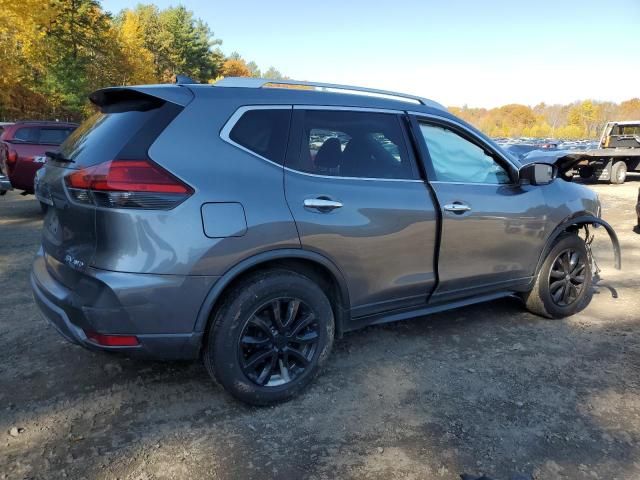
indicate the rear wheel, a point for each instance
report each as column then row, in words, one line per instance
column 563, row 284
column 270, row 337
column 618, row 172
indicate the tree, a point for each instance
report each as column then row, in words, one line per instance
column 76, row 40
column 586, row 115
column 554, row 115
column 188, row 44
column 253, row 68
column 274, row 74
column 630, row 110
column 577, row 120
column 235, row 68
column 19, row 41
column 178, row 42
column 137, row 60
column 54, row 53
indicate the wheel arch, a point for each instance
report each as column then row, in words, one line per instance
column 312, row 264
column 573, row 224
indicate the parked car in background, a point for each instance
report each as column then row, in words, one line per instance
column 249, row 224
column 5, row 184
column 22, row 150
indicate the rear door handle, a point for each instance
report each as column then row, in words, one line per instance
column 457, row 207
column 322, row 204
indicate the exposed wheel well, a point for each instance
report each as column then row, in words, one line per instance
column 574, row 226
column 313, row 270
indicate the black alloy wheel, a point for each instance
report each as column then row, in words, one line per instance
column 567, row 277
column 278, row 342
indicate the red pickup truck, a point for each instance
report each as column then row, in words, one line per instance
column 22, row 151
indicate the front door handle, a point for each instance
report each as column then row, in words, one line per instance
column 457, row 207
column 321, row 204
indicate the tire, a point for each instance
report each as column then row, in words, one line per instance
column 618, row 172
column 542, row 299
column 587, row 172
column 247, row 351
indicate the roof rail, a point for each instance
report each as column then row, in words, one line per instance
column 248, row 82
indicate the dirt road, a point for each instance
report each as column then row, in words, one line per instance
column 484, row 389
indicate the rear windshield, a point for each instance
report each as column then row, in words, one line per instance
column 42, row 135
column 626, row 130
column 102, row 136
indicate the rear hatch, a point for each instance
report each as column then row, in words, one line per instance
column 93, row 167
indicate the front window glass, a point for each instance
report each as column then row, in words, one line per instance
column 456, row 159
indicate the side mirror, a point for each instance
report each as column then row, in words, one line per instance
column 537, row 174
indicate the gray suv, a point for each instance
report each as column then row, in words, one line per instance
column 251, row 222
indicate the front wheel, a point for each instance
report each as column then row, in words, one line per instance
column 563, row 284
column 587, row 172
column 270, row 337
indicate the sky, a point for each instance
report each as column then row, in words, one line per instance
column 480, row 53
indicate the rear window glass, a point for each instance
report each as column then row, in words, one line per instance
column 42, row 135
column 102, row 136
column 264, row 132
column 626, row 130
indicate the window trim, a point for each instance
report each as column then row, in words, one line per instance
column 467, row 134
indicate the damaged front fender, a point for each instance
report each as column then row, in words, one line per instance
column 617, row 255
column 577, row 223
column 563, row 160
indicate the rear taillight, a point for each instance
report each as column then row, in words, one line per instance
column 127, row 184
column 12, row 157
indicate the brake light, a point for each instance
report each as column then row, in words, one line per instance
column 12, row 157
column 127, row 184
column 113, row 340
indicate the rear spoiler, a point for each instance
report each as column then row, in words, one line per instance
column 142, row 97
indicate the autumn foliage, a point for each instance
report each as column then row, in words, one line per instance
column 53, row 53
column 577, row 120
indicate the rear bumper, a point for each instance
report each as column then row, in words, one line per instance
column 141, row 310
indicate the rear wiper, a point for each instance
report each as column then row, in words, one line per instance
column 59, row 157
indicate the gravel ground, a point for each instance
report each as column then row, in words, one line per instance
column 483, row 389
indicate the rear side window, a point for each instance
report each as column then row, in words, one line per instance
column 264, row 132
column 42, row 135
column 352, row 144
